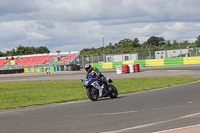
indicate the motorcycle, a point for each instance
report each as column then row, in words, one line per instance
column 96, row 89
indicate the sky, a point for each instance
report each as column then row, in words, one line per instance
column 70, row 25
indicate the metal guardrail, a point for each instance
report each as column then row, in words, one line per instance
column 97, row 59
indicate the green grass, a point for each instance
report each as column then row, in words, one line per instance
column 22, row 94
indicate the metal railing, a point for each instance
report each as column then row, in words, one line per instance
column 149, row 54
column 82, row 60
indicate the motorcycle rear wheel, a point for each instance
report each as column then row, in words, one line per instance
column 113, row 91
column 92, row 93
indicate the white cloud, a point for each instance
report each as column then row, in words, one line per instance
column 10, row 31
column 145, row 28
column 77, row 24
column 176, row 26
column 36, row 36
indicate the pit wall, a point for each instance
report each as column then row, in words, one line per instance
column 52, row 69
column 150, row 62
column 40, row 69
column 112, row 65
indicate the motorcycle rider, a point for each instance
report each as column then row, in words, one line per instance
column 95, row 74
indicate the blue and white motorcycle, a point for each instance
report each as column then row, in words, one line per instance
column 96, row 89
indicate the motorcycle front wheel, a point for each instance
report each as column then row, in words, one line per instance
column 92, row 93
column 113, row 91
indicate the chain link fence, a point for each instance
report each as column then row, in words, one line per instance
column 149, row 54
column 82, row 60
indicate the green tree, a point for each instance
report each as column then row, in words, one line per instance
column 11, row 53
column 197, row 42
column 2, row 54
column 58, row 51
column 42, row 49
column 156, row 41
column 21, row 50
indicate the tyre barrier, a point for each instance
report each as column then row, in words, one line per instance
column 131, row 68
column 11, row 71
column 119, row 69
column 125, row 68
column 137, row 67
column 68, row 67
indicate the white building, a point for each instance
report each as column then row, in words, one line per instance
column 170, row 53
column 121, row 57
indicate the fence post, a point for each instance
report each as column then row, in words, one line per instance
column 122, row 56
column 165, row 53
column 82, row 61
column 92, row 59
column 98, row 58
column 150, row 53
column 196, row 49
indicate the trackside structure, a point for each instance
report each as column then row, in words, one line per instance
column 171, row 53
column 150, row 62
column 69, row 61
column 121, row 57
column 63, row 61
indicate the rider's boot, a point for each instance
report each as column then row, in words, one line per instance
column 104, row 88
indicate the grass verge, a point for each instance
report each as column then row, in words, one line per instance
column 22, row 94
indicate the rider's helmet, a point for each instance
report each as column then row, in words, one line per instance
column 88, row 66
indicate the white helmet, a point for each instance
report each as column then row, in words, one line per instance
column 88, row 66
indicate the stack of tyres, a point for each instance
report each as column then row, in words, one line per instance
column 125, row 68
column 131, row 68
column 119, row 69
column 137, row 67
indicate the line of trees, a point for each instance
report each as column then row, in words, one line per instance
column 21, row 50
column 131, row 46
column 123, row 46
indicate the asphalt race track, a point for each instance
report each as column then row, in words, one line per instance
column 142, row 112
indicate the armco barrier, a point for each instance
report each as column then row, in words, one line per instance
column 25, row 70
column 48, row 69
column 66, row 68
column 191, row 60
column 173, row 61
column 107, row 65
column 44, row 69
column 70, row 67
column 32, row 70
column 154, row 62
column 29, row 70
column 41, row 69
column 112, row 65
column 38, row 69
column 52, row 69
column 115, row 64
column 58, row 68
column 97, row 65
column 141, row 62
column 55, row 68
column 128, row 62
column 12, row 71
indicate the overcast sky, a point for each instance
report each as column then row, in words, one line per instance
column 69, row 25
